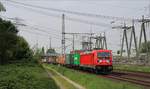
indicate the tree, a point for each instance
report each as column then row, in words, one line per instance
column 8, row 39
column 2, row 8
column 43, row 51
column 22, row 50
column 143, row 48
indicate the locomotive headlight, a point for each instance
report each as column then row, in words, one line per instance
column 99, row 61
column 107, row 60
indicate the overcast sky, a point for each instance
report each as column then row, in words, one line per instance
column 50, row 24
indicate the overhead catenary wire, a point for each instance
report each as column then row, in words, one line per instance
column 39, row 34
column 36, row 26
column 74, row 12
column 61, row 46
column 44, row 36
column 89, row 22
column 44, row 31
column 48, row 34
column 44, row 27
column 82, row 21
column 67, row 17
column 41, row 30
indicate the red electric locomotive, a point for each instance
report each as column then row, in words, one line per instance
column 97, row 60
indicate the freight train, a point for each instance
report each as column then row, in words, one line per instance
column 99, row 61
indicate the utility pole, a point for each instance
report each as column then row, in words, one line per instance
column 135, row 41
column 73, row 42
column 50, row 44
column 104, row 41
column 84, row 43
column 100, row 42
column 63, row 35
column 90, row 44
column 144, row 21
column 125, row 28
column 90, row 38
column 126, row 39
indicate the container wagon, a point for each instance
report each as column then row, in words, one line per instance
column 76, row 59
column 61, row 60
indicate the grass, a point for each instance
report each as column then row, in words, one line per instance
column 25, row 76
column 61, row 81
column 91, row 81
column 132, row 68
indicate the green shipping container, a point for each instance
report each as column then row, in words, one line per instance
column 76, row 58
column 67, row 59
column 72, row 59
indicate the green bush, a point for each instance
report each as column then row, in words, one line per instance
column 25, row 76
column 145, row 47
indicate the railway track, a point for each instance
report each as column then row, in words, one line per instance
column 132, row 77
column 139, row 78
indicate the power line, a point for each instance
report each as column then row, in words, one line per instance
column 88, row 22
column 35, row 28
column 67, row 18
column 73, row 12
column 54, row 35
column 37, row 11
column 39, row 34
column 125, row 7
column 61, row 47
column 43, row 27
column 47, row 33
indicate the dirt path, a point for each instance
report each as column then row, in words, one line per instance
column 75, row 85
column 57, row 82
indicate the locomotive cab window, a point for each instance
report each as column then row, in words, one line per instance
column 103, row 54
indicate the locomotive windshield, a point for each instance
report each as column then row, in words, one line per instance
column 103, row 54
